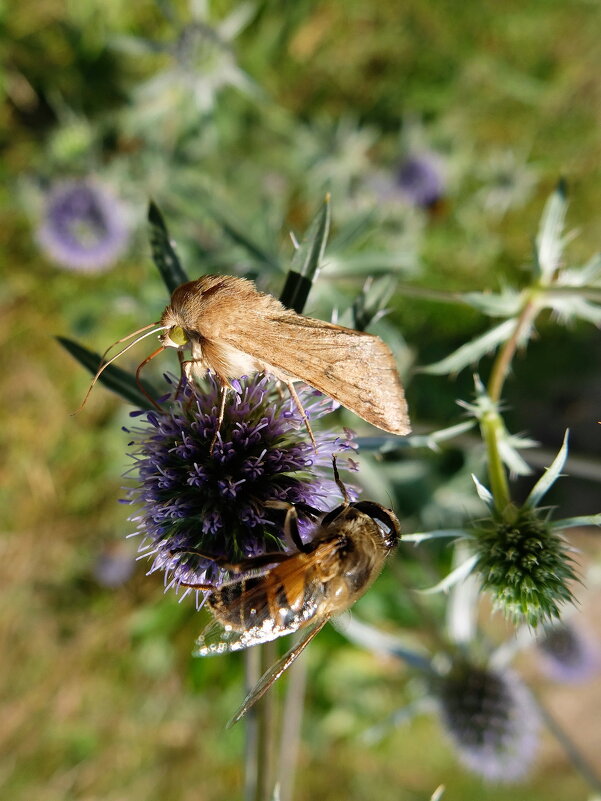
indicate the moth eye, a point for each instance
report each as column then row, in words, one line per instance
column 177, row 335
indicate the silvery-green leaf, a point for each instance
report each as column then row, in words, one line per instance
column 512, row 459
column 550, row 241
column 403, row 715
column 367, row 636
column 235, row 22
column 456, row 575
column 370, row 305
column 473, row 351
column 462, row 605
column 372, row 262
column 551, row 475
column 570, row 306
column 587, row 275
column 163, row 252
column 384, row 443
column 113, row 378
column 505, row 304
column 307, row 260
column 438, row 793
column 483, row 492
column 576, row 522
column 423, row 536
column 135, row 45
column 433, row 439
column 521, row 442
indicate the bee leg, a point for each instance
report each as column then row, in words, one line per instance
column 339, row 483
column 290, row 524
column 242, row 566
column 302, row 412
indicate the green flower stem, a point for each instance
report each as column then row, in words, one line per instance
column 491, row 426
column 252, row 667
column 290, row 736
column 503, row 361
column 491, row 423
column 266, row 730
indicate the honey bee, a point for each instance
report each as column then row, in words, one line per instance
column 275, row 594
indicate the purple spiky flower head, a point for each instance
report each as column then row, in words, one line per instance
column 83, row 227
column 420, row 179
column 196, row 503
column 569, row 653
column 491, row 719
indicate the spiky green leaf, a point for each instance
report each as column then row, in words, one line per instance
column 113, row 378
column 546, row 481
column 163, row 252
column 307, row 260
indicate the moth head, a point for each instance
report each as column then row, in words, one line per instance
column 174, row 337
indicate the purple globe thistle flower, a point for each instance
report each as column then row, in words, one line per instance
column 83, row 227
column 196, row 503
column 569, row 654
column 491, row 719
column 420, row 179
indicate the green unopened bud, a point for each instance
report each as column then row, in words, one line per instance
column 525, row 565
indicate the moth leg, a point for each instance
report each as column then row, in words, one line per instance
column 182, row 374
column 290, row 524
column 223, row 390
column 138, row 380
column 302, row 412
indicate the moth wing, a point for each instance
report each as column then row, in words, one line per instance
column 356, row 369
column 276, row 670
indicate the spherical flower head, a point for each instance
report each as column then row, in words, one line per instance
column 199, row 508
column 525, row 565
column 491, row 719
column 419, row 177
column 83, row 227
column 569, row 654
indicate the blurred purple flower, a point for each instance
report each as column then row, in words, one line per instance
column 114, row 567
column 569, row 654
column 420, row 179
column 83, row 227
column 215, row 503
column 491, row 718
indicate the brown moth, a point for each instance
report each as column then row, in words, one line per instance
column 233, row 329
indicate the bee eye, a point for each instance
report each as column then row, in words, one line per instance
column 177, row 335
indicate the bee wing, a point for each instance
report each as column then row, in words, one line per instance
column 218, row 638
column 276, row 670
column 354, row 368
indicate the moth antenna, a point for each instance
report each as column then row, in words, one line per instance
column 124, row 339
column 224, row 389
column 138, row 380
column 302, row 412
column 339, row 483
column 104, row 365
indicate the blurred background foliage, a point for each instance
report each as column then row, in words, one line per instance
column 237, row 119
